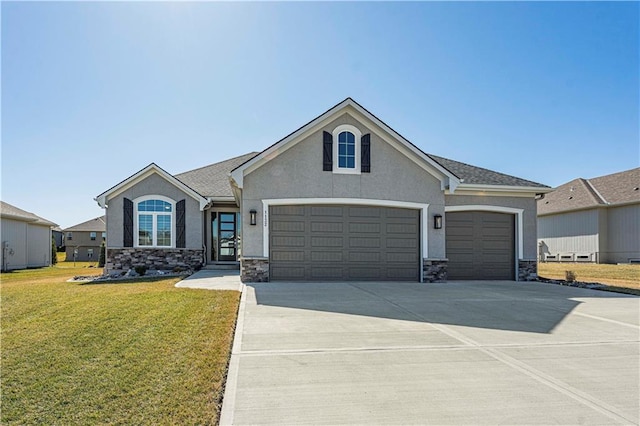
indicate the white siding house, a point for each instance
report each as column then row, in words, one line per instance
column 26, row 239
column 592, row 220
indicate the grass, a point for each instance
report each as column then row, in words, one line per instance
column 132, row 353
column 622, row 276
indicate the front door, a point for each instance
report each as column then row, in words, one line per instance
column 227, row 236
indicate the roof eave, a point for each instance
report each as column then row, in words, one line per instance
column 501, row 189
column 152, row 168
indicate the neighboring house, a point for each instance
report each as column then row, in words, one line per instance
column 58, row 236
column 592, row 220
column 344, row 197
column 26, row 239
column 84, row 240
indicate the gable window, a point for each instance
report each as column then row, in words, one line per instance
column 346, row 149
column 154, row 219
column 92, row 235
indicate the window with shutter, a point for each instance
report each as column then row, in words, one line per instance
column 180, row 224
column 327, row 152
column 365, row 162
column 127, row 215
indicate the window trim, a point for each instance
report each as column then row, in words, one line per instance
column 93, row 235
column 358, row 136
column 154, row 235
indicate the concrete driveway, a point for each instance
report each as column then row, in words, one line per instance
column 454, row 353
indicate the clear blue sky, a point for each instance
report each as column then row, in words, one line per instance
column 93, row 92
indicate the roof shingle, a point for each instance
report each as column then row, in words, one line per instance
column 97, row 224
column 213, row 180
column 8, row 210
column 613, row 189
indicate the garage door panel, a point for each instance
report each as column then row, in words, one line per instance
column 287, row 241
column 317, row 272
column 287, row 256
column 357, row 257
column 356, row 212
column 402, row 243
column 364, row 227
column 324, row 211
column 345, row 242
column 288, row 210
column 480, row 245
column 326, row 227
column 326, row 241
column 372, row 242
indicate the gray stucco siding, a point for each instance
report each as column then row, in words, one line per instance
column 154, row 185
column 297, row 173
column 529, row 220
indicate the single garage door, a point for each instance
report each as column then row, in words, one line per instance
column 480, row 245
column 338, row 242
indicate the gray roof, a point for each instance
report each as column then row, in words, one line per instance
column 97, row 224
column 613, row 189
column 479, row 176
column 213, row 180
column 12, row 212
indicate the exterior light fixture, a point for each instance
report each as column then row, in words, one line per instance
column 252, row 214
column 437, row 221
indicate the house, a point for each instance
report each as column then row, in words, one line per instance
column 592, row 220
column 344, row 197
column 58, row 237
column 26, row 239
column 83, row 241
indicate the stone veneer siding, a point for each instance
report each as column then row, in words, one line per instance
column 154, row 258
column 527, row 270
column 434, row 270
column 254, row 269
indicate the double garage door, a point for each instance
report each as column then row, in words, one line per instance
column 480, row 245
column 341, row 242
column 360, row 243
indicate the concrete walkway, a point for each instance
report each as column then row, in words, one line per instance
column 213, row 280
column 454, row 353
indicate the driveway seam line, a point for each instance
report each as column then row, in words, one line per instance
column 535, row 374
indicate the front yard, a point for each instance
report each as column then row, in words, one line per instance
column 626, row 276
column 126, row 353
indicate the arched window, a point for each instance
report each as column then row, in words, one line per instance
column 155, row 221
column 346, row 149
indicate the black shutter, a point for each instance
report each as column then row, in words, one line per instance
column 180, row 224
column 327, row 152
column 127, row 215
column 365, row 149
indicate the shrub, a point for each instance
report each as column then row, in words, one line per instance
column 102, row 258
column 140, row 269
column 570, row 276
column 54, row 252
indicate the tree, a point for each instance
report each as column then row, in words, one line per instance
column 102, row 258
column 54, row 251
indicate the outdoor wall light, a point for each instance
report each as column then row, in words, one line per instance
column 437, row 221
column 252, row 219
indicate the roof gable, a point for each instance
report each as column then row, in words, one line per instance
column 151, row 169
column 97, row 224
column 12, row 212
column 578, row 194
column 386, row 133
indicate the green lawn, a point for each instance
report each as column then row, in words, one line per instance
column 134, row 353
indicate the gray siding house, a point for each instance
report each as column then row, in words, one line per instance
column 26, row 239
column 592, row 220
column 344, row 197
column 84, row 239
